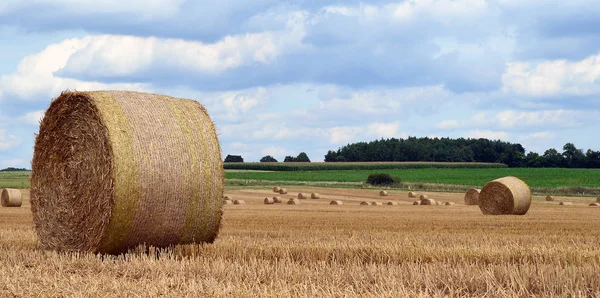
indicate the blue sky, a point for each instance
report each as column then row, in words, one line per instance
column 282, row 77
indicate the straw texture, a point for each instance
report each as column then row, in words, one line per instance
column 472, row 196
column 508, row 195
column 11, row 197
column 116, row 169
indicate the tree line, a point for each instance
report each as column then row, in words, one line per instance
column 463, row 150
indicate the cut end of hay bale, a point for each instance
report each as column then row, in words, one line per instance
column 283, row 191
column 239, row 202
column 565, row 204
column 269, row 201
column 293, row 201
column 472, row 196
column 11, row 197
column 428, row 202
column 277, row 200
column 336, row 203
column 315, row 196
column 549, row 198
column 412, row 195
column 383, row 193
column 416, row 203
column 392, row 203
column 104, row 148
column 508, row 195
column 276, row 189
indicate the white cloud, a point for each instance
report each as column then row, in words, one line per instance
column 12, row 163
column 488, row 134
column 538, row 136
column 33, row 118
column 553, row 78
column 8, row 141
column 384, row 130
column 275, row 151
column 448, row 124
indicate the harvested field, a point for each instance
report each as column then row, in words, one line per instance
column 319, row 250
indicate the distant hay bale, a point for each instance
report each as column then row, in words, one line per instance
column 508, row 195
column 439, row 203
column 377, row 203
column 472, row 196
column 365, row 203
column 269, row 201
column 115, row 169
column 565, row 204
column 315, row 196
column 11, row 197
column 595, row 205
column 416, row 203
column 423, row 197
column 227, row 198
column 239, row 202
column 276, row 189
column 277, row 200
column 450, row 204
column 283, row 191
column 227, row 202
column 383, row 193
column 336, row 203
column 598, row 200
column 293, row 201
column 428, row 202
column 412, row 194
column 302, row 196
column 392, row 203
column 549, row 198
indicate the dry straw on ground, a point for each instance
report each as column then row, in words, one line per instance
column 115, row 169
column 336, row 203
column 412, row 194
column 565, row 204
column 315, row 196
column 293, row 201
column 416, row 203
column 277, row 200
column 276, row 189
column 383, row 193
column 508, row 195
column 283, row 191
column 11, row 197
column 428, row 202
column 269, row 201
column 239, row 202
column 472, row 196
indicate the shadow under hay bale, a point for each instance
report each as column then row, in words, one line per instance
column 336, row 203
column 412, row 195
column 508, row 195
column 472, row 196
column 269, row 201
column 106, row 148
column 11, row 197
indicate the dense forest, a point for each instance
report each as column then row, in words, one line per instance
column 463, row 150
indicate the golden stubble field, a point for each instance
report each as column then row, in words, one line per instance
column 318, row 250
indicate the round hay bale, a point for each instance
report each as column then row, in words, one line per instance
column 598, row 200
column 383, row 193
column 365, row 203
column 450, row 204
column 423, row 197
column 302, row 196
column 227, row 198
column 227, row 202
column 293, row 201
column 277, row 200
column 315, row 196
column 11, row 197
column 565, row 204
column 377, row 203
column 472, row 196
column 595, row 205
column 416, row 203
column 428, row 202
column 269, row 201
column 239, row 202
column 336, row 203
column 276, row 189
column 508, row 195
column 412, row 194
column 439, row 203
column 392, row 204
column 116, row 169
column 549, row 198
column 283, row 191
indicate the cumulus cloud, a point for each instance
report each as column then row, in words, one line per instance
column 8, row 141
column 488, row 134
column 33, row 118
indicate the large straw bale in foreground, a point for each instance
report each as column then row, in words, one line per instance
column 472, row 196
column 508, row 195
column 115, row 169
column 11, row 197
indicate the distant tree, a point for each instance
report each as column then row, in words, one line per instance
column 289, row 159
column 331, row 156
column 573, row 157
column 268, row 158
column 234, row 158
column 11, row 169
column 382, row 179
column 302, row 157
column 553, row 159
